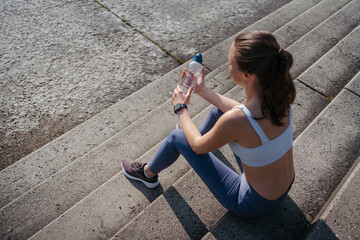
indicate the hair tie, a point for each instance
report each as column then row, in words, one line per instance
column 281, row 50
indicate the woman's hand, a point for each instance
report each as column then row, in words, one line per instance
column 180, row 97
column 200, row 81
column 200, row 84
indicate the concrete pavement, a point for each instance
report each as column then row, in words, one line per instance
column 63, row 63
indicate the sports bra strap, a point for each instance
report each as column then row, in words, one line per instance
column 254, row 123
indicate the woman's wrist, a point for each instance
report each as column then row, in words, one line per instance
column 178, row 107
column 204, row 93
column 201, row 91
column 181, row 111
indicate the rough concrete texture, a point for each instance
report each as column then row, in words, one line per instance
column 61, row 64
column 107, row 209
column 46, row 161
column 342, row 214
column 307, row 105
column 160, row 224
column 325, row 151
column 299, row 26
column 178, row 212
column 208, row 236
column 325, row 36
column 354, row 84
column 335, row 69
column 321, row 231
column 187, row 27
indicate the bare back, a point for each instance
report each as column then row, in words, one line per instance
column 273, row 180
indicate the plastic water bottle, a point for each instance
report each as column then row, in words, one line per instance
column 190, row 77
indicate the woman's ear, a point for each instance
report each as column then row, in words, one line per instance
column 249, row 76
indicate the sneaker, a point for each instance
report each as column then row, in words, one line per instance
column 135, row 171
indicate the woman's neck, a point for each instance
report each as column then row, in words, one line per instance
column 253, row 101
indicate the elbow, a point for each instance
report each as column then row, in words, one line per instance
column 197, row 150
column 197, row 146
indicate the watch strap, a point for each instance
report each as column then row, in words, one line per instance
column 179, row 106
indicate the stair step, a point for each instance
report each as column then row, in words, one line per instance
column 331, row 141
column 305, row 22
column 320, row 231
column 81, row 207
column 338, row 219
column 341, row 214
column 341, row 58
column 325, row 36
column 332, row 74
column 354, row 86
column 337, row 213
column 209, row 236
column 38, row 166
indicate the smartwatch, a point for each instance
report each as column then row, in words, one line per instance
column 179, row 106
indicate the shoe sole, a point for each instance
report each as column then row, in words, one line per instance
column 147, row 184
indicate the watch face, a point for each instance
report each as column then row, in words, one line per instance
column 177, row 107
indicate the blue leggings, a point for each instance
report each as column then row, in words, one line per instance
column 229, row 187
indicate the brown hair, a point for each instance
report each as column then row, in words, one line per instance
column 259, row 53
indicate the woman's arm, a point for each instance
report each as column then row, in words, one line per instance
column 223, row 132
column 221, row 102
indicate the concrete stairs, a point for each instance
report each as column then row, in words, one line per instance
column 73, row 187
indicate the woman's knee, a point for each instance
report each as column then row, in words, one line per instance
column 176, row 135
column 215, row 112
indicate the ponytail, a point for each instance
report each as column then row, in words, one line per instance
column 259, row 53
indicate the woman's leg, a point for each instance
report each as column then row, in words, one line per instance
column 211, row 119
column 238, row 160
column 165, row 156
column 223, row 182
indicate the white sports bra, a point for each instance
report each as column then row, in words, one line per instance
column 270, row 150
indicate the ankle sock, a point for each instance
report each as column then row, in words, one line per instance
column 145, row 172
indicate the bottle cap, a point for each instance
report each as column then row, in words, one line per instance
column 198, row 58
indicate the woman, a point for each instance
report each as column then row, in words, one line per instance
column 259, row 132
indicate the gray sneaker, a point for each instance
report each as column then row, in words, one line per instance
column 135, row 170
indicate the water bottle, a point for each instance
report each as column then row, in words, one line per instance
column 190, row 77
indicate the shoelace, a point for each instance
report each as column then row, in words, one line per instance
column 136, row 165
